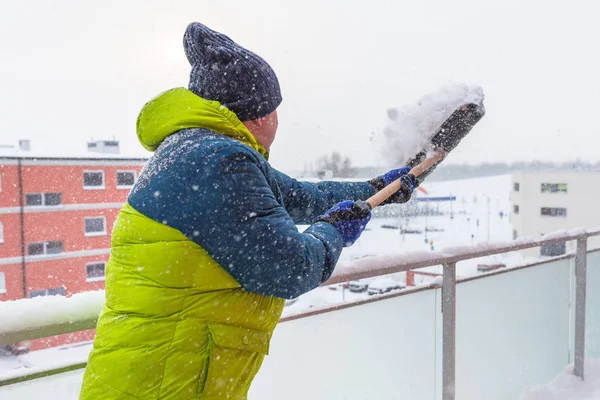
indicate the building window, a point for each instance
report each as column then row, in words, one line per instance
column 553, row 250
column 52, row 199
column 1, row 233
column 39, row 248
column 95, row 271
column 515, row 208
column 54, row 247
column 95, row 226
column 516, row 186
column 34, row 199
column 48, row 292
column 554, row 212
column 2, row 283
column 43, row 199
column 125, row 179
column 34, row 249
column 93, row 180
column 554, row 188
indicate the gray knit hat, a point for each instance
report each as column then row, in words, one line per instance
column 223, row 70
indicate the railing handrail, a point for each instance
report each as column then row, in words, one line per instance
column 361, row 269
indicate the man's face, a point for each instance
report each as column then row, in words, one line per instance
column 264, row 129
column 271, row 123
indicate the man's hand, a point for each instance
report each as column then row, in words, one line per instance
column 409, row 183
column 349, row 218
column 392, row 175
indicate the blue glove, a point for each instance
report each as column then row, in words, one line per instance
column 394, row 174
column 408, row 183
column 349, row 218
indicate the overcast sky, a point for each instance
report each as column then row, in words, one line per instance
column 72, row 70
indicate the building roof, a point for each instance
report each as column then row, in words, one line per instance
column 9, row 152
column 89, row 156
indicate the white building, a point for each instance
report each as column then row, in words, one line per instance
column 544, row 202
column 103, row 146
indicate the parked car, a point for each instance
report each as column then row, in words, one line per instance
column 412, row 231
column 489, row 267
column 358, row 286
column 339, row 286
column 384, row 285
column 15, row 349
column 388, row 226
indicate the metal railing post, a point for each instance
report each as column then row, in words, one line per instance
column 580, row 295
column 449, row 331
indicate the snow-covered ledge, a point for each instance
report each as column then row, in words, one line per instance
column 27, row 319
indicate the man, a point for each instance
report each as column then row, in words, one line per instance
column 206, row 248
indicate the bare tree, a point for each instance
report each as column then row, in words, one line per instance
column 340, row 167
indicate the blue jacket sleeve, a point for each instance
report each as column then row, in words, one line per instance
column 247, row 231
column 304, row 201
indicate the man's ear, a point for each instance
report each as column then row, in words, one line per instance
column 259, row 122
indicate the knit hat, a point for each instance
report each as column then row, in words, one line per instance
column 223, row 70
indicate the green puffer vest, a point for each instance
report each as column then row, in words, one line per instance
column 176, row 325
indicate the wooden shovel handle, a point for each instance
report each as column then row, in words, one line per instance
column 393, row 187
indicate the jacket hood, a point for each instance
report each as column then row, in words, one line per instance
column 178, row 109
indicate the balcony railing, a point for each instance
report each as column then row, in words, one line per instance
column 557, row 270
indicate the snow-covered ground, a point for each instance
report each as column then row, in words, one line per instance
column 568, row 387
column 468, row 227
column 43, row 360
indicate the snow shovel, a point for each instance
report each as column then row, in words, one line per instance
column 444, row 140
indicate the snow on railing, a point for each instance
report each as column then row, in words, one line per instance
column 27, row 319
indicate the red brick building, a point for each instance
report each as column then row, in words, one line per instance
column 56, row 216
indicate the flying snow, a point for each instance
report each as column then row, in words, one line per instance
column 407, row 129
